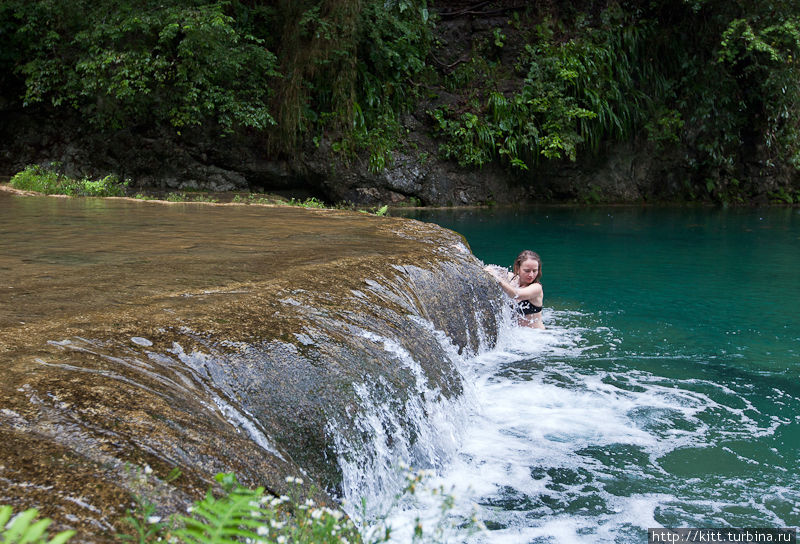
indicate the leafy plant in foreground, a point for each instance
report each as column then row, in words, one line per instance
column 22, row 529
column 147, row 525
column 242, row 514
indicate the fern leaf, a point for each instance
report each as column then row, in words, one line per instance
column 226, row 520
column 21, row 530
column 61, row 537
column 35, row 532
column 5, row 515
column 19, row 526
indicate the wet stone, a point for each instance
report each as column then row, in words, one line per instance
column 210, row 339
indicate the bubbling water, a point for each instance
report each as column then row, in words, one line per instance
column 425, row 432
column 561, row 436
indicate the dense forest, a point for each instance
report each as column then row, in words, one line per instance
column 373, row 90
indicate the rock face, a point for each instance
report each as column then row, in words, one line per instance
column 622, row 172
column 214, row 339
column 196, row 162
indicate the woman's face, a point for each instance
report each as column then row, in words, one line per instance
column 528, row 271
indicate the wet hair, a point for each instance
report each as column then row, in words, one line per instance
column 524, row 256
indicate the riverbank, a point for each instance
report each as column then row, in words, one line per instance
column 240, row 198
column 212, row 198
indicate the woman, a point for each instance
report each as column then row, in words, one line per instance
column 524, row 287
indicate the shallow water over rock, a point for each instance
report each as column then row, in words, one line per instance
column 213, row 338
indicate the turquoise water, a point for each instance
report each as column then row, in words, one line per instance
column 665, row 391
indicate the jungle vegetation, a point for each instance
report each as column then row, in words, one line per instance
column 716, row 81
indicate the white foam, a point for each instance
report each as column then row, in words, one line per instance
column 558, row 424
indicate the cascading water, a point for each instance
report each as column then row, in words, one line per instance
column 662, row 394
column 424, row 432
column 559, row 442
column 285, row 340
column 295, row 342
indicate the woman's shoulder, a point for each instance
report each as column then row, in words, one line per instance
column 532, row 290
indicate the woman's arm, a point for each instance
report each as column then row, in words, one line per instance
column 521, row 293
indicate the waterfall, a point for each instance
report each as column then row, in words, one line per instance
column 336, row 364
column 423, row 431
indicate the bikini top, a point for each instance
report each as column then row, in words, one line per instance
column 528, row 308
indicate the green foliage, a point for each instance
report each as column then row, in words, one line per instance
column 39, row 179
column 576, row 93
column 235, row 516
column 615, row 77
column 499, row 38
column 542, row 119
column 147, row 525
column 204, row 198
column 731, row 94
column 107, row 186
column 762, row 51
column 22, row 529
column 310, row 202
column 380, row 211
column 725, row 191
column 48, row 181
column 241, row 514
column 466, row 74
column 716, row 81
column 720, row 81
column 184, row 197
column 784, row 197
column 468, row 138
column 253, row 198
column 394, row 41
column 121, row 64
column 592, row 195
column 393, row 44
column 665, row 128
column 352, row 70
column 175, row 197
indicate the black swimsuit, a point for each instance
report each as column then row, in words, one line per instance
column 528, row 308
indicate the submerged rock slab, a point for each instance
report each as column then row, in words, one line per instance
column 211, row 339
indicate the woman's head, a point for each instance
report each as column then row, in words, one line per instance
column 528, row 264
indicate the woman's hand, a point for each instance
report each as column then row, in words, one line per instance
column 497, row 272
